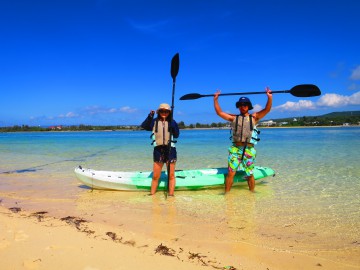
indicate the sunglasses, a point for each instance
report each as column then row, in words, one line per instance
column 164, row 111
column 243, row 105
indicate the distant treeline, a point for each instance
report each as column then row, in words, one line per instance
column 331, row 119
column 67, row 128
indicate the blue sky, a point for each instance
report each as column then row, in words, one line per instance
column 107, row 62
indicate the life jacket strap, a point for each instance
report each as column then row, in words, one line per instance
column 251, row 123
column 156, row 125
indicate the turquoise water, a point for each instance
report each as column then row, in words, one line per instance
column 312, row 204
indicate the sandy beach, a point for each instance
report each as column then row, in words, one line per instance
column 37, row 240
column 304, row 218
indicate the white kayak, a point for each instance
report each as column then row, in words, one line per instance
column 185, row 179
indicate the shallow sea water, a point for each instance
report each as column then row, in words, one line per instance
column 310, row 206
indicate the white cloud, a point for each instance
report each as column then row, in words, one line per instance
column 296, row 106
column 355, row 99
column 355, row 75
column 127, row 109
column 327, row 100
column 54, row 118
column 93, row 110
column 257, row 108
column 101, row 110
column 335, row 100
column 71, row 115
column 88, row 111
column 67, row 115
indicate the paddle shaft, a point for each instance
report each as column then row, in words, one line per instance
column 174, row 71
column 248, row 93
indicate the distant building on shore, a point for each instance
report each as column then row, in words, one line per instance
column 55, row 127
column 267, row 123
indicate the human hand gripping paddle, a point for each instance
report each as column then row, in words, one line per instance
column 301, row 90
column 175, row 62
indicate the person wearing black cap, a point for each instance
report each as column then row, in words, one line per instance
column 244, row 136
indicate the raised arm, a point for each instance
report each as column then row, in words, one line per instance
column 266, row 110
column 219, row 112
column 148, row 121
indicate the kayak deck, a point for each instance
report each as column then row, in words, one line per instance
column 185, row 179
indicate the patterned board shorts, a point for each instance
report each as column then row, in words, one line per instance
column 234, row 159
column 161, row 154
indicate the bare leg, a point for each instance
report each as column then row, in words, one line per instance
column 229, row 180
column 172, row 180
column 251, row 183
column 156, row 176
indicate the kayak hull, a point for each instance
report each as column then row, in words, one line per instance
column 185, row 179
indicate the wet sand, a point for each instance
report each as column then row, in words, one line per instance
column 48, row 239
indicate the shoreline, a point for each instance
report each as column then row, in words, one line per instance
column 187, row 128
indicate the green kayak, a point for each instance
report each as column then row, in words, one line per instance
column 185, row 179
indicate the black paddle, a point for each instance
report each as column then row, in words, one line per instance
column 302, row 90
column 175, row 62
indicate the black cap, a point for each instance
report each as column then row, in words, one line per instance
column 244, row 100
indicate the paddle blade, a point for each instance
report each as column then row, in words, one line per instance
column 191, row 96
column 305, row 90
column 175, row 62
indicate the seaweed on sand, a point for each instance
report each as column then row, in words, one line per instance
column 164, row 250
column 15, row 209
column 78, row 223
column 39, row 215
column 114, row 237
column 193, row 256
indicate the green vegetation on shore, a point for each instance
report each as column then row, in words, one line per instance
column 350, row 118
